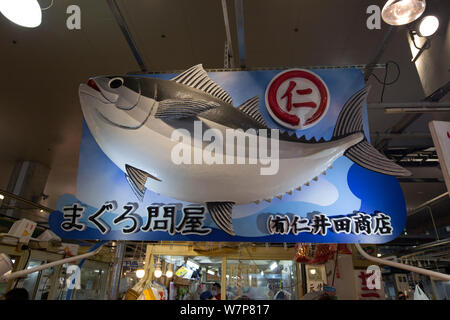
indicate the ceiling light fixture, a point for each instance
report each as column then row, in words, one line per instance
column 400, row 12
column 2, row 197
column 425, row 29
column 25, row 13
column 428, row 26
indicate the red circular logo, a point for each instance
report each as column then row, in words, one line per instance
column 297, row 98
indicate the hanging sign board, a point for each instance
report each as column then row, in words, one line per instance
column 260, row 156
column 440, row 132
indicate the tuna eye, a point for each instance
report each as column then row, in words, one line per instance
column 115, row 83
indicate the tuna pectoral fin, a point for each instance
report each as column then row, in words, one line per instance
column 137, row 179
column 221, row 214
column 350, row 121
column 182, row 108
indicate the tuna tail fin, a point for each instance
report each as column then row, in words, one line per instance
column 350, row 121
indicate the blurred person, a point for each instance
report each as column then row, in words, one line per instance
column 17, row 294
column 206, row 295
column 216, row 291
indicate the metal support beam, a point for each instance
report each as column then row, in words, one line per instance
column 407, row 135
column 229, row 49
column 25, row 201
column 387, row 38
column 417, row 107
column 126, row 33
column 350, row 66
column 116, row 272
column 239, row 9
column 223, row 279
column 414, row 110
column 432, row 220
column 408, row 119
column 419, row 180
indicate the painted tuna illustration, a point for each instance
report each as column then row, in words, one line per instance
column 132, row 119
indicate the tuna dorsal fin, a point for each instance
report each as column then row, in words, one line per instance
column 251, row 108
column 221, row 214
column 196, row 77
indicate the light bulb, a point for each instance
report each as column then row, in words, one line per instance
column 400, row 12
column 158, row 273
column 140, row 273
column 312, row 271
column 169, row 274
column 428, row 26
column 25, row 13
column 2, row 197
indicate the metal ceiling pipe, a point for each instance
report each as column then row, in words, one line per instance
column 238, row 6
column 22, row 273
column 438, row 275
column 424, row 247
column 126, row 33
column 428, row 203
column 398, row 105
column 414, row 110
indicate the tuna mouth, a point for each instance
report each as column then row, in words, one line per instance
column 91, row 83
column 91, row 89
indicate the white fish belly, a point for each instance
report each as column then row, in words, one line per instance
column 149, row 148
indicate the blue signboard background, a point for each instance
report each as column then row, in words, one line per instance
column 346, row 188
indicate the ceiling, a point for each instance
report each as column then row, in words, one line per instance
column 40, row 113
